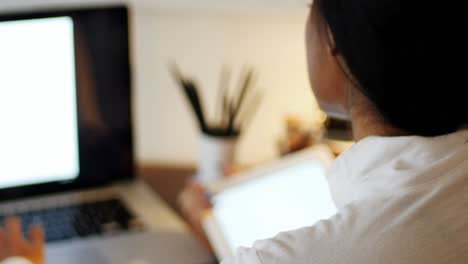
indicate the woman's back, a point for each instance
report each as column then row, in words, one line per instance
column 395, row 69
column 401, row 200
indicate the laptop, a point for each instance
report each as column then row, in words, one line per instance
column 66, row 142
column 284, row 195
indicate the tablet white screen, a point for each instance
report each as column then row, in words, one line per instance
column 288, row 199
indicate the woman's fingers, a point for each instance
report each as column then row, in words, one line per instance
column 14, row 233
column 37, row 236
column 2, row 235
column 193, row 201
column 2, row 243
column 13, row 243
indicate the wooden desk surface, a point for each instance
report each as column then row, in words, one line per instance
column 167, row 181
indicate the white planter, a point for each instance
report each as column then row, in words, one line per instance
column 215, row 153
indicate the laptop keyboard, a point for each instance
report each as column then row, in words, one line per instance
column 82, row 220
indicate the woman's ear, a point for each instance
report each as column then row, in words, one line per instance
column 331, row 42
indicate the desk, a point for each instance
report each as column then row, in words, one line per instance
column 167, row 181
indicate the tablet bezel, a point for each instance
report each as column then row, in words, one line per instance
column 211, row 225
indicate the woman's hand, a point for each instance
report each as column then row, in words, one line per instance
column 13, row 243
column 194, row 202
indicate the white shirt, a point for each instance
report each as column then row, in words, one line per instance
column 401, row 200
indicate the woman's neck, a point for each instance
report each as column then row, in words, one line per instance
column 367, row 121
column 367, row 125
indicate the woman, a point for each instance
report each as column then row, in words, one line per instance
column 392, row 68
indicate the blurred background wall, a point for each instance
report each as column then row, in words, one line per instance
column 201, row 41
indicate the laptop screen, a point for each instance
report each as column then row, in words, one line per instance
column 38, row 111
column 64, row 100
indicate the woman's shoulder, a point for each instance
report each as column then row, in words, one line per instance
column 303, row 245
column 371, row 231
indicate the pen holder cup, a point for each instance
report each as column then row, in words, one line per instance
column 215, row 154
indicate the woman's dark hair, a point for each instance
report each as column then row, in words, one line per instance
column 409, row 58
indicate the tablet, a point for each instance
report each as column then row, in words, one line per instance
column 286, row 195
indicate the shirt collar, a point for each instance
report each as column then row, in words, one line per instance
column 386, row 165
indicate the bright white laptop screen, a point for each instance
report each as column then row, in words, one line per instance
column 38, row 108
column 285, row 200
